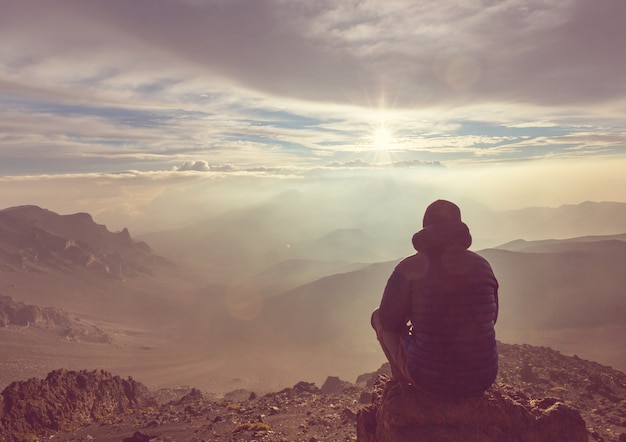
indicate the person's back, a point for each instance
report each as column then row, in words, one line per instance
column 450, row 296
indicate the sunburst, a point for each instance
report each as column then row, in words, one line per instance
column 382, row 138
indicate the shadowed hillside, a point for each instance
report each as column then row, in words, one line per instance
column 73, row 294
column 562, row 284
column 571, row 285
column 305, row 226
column 540, row 223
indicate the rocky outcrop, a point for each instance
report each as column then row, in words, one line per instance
column 13, row 312
column 399, row 413
column 78, row 226
column 334, row 385
column 65, row 400
column 50, row 319
column 35, row 239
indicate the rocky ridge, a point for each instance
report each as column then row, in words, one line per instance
column 37, row 240
column 79, row 406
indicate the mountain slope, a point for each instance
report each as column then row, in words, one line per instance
column 553, row 245
column 73, row 263
column 574, row 290
column 539, row 223
column 289, row 274
column 32, row 238
column 559, row 284
column 329, row 310
column 307, row 226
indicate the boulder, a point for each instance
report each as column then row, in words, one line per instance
column 66, row 400
column 27, row 315
column 334, row 385
column 400, row 413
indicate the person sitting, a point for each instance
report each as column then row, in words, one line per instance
column 436, row 318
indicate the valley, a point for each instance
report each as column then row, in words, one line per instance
column 191, row 318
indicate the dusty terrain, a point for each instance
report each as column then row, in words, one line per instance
column 307, row 413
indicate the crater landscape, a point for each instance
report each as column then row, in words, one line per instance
column 76, row 296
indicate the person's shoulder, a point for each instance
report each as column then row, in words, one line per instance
column 473, row 255
column 477, row 256
column 414, row 266
column 480, row 264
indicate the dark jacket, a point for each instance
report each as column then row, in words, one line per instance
column 450, row 296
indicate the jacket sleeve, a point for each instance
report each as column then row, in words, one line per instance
column 395, row 305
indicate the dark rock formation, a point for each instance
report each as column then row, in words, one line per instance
column 65, row 400
column 13, row 312
column 334, row 385
column 368, row 380
column 53, row 320
column 399, row 413
column 307, row 387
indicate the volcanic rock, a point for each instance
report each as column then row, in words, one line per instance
column 400, row 413
column 334, row 385
column 64, row 400
column 50, row 319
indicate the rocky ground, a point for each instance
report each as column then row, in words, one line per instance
column 300, row 413
column 309, row 413
column 597, row 391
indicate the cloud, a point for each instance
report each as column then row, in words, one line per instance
column 272, row 84
column 361, row 164
column 414, row 163
column 158, row 200
column 542, row 52
column 202, row 166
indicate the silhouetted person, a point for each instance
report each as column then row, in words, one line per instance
column 436, row 319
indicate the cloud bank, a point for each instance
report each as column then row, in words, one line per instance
column 150, row 110
column 116, row 85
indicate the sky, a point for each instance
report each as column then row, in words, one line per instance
column 146, row 110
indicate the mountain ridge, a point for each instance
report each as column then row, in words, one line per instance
column 33, row 238
column 271, row 231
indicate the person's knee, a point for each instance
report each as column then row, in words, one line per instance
column 375, row 319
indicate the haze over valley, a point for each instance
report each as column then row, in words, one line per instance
column 266, row 295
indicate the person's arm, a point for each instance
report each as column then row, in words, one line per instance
column 497, row 306
column 395, row 305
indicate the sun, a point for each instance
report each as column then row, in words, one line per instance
column 382, row 138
